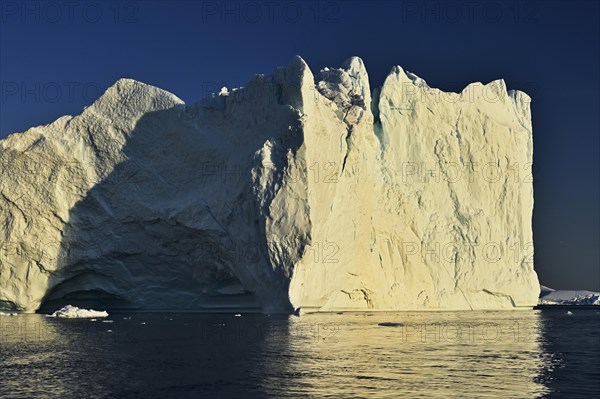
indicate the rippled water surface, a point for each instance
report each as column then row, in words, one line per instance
column 521, row 354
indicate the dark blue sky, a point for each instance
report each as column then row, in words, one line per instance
column 57, row 57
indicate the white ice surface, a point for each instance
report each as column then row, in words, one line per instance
column 568, row 297
column 73, row 312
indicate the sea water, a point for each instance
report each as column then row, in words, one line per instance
column 474, row 354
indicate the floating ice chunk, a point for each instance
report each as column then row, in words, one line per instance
column 8, row 314
column 73, row 312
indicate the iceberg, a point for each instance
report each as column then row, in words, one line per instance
column 550, row 296
column 73, row 312
column 299, row 191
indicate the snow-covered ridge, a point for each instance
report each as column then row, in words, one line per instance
column 293, row 190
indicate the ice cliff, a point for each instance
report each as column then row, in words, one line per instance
column 298, row 190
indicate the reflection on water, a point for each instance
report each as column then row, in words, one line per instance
column 520, row 354
column 416, row 355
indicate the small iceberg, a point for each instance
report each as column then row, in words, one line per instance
column 73, row 312
column 8, row 314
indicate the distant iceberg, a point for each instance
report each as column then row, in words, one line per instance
column 73, row 312
column 549, row 296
